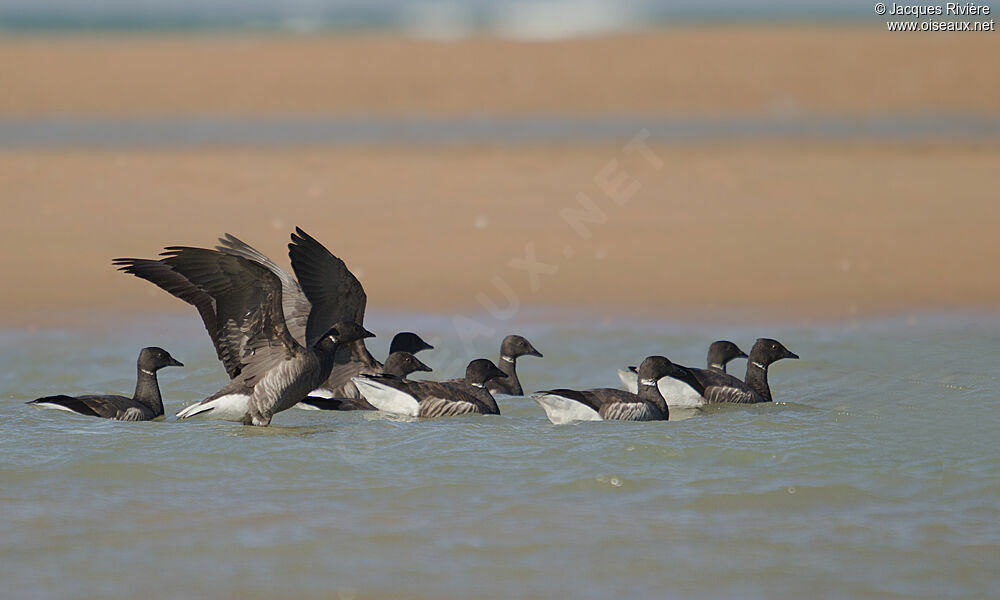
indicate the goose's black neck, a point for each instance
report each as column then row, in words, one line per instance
column 757, row 378
column 649, row 391
column 326, row 350
column 508, row 364
column 147, row 390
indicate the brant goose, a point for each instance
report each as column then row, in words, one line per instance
column 144, row 405
column 434, row 399
column 355, row 360
column 717, row 387
column 273, row 370
column 512, row 347
column 397, row 366
column 350, row 299
column 678, row 393
column 605, row 404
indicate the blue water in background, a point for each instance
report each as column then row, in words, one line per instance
column 531, row 18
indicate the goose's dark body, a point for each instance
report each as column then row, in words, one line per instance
column 565, row 405
column 271, row 369
column 718, row 388
column 355, row 360
column 435, row 399
column 616, row 405
column 398, row 366
column 512, row 348
column 679, row 394
column 145, row 404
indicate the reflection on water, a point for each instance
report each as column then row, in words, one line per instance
column 874, row 474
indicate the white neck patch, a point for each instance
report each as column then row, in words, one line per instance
column 758, row 365
column 506, row 358
column 147, row 372
column 478, row 385
column 647, row 381
column 716, row 366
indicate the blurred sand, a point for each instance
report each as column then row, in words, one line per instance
column 751, row 229
column 781, row 231
column 717, row 70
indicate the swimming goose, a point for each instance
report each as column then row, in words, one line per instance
column 513, row 346
column 718, row 388
column 605, row 404
column 434, row 399
column 397, row 366
column 350, row 300
column 144, row 405
column 355, row 360
column 274, row 371
column 676, row 392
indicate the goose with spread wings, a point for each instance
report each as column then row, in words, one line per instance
column 271, row 371
column 344, row 293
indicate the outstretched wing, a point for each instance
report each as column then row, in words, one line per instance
column 250, row 323
column 161, row 275
column 294, row 303
column 334, row 292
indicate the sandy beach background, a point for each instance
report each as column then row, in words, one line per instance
column 760, row 227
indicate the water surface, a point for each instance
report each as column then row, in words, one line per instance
column 874, row 475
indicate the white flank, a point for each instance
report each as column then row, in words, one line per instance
column 304, row 406
column 52, row 406
column 561, row 410
column 678, row 393
column 321, row 393
column 387, row 398
column 674, row 391
column 231, row 407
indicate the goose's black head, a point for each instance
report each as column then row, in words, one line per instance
column 407, row 341
column 723, row 351
column 402, row 364
column 344, row 333
column 154, row 359
column 482, row 370
column 654, row 368
column 514, row 346
column 767, row 351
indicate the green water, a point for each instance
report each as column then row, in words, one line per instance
column 875, row 475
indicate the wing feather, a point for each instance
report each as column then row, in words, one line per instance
column 163, row 276
column 250, row 319
column 335, row 293
column 294, row 303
